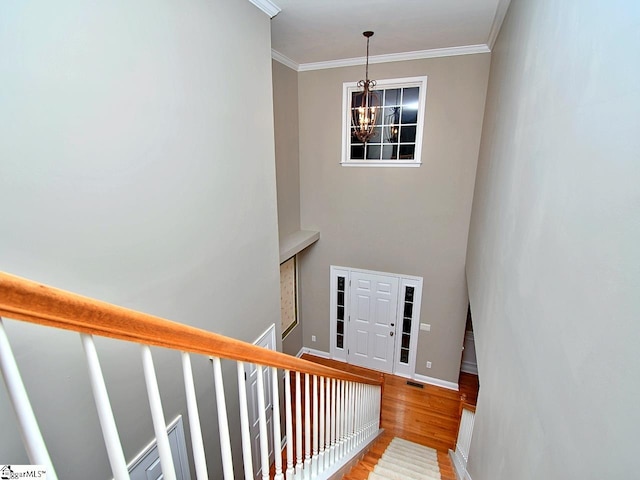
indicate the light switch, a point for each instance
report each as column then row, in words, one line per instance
column 425, row 327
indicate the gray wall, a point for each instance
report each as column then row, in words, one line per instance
column 410, row 221
column 554, row 264
column 285, row 113
column 132, row 171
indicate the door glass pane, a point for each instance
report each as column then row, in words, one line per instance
column 406, row 325
column 408, row 310
column 408, row 294
column 404, row 356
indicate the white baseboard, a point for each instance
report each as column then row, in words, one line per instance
column 469, row 367
column 311, row 351
column 436, row 381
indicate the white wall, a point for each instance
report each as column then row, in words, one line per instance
column 137, row 167
column 553, row 264
column 411, row 221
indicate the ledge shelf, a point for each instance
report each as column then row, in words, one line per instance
column 296, row 242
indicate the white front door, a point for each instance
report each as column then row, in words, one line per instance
column 372, row 317
column 267, row 340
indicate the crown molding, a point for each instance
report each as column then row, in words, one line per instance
column 501, row 12
column 397, row 57
column 283, row 59
column 267, row 6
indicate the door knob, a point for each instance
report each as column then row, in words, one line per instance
column 393, row 324
column 391, row 334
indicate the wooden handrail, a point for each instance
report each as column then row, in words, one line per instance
column 467, row 406
column 22, row 299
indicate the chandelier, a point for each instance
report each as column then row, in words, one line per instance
column 365, row 108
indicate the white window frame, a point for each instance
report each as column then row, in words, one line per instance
column 349, row 87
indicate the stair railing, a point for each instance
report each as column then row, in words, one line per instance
column 341, row 410
column 465, row 432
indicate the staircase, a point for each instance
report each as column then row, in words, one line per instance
column 328, row 415
column 426, row 415
column 366, row 468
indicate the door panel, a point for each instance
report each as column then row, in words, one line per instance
column 373, row 303
column 147, row 466
column 251, row 373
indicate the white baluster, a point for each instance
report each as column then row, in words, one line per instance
column 365, row 410
column 361, row 412
column 194, row 419
column 378, row 405
column 298, row 428
column 247, row 461
column 327, row 427
column 343, row 427
column 339, row 415
column 307, row 429
column 349, row 406
column 370, row 410
column 372, row 414
column 347, row 417
column 157, row 415
column 31, row 436
column 332, row 456
column 356, row 413
column 105, row 414
column 289, row 424
column 378, row 402
column 277, row 437
column 223, row 422
column 314, row 458
column 321, row 425
column 262, row 421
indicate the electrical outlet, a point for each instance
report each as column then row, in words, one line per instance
column 428, row 364
column 313, row 338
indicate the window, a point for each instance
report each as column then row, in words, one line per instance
column 397, row 137
column 288, row 296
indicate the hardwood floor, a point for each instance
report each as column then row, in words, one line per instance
column 423, row 414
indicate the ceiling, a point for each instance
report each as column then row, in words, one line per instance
column 316, row 33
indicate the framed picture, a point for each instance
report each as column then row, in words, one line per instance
column 288, row 295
